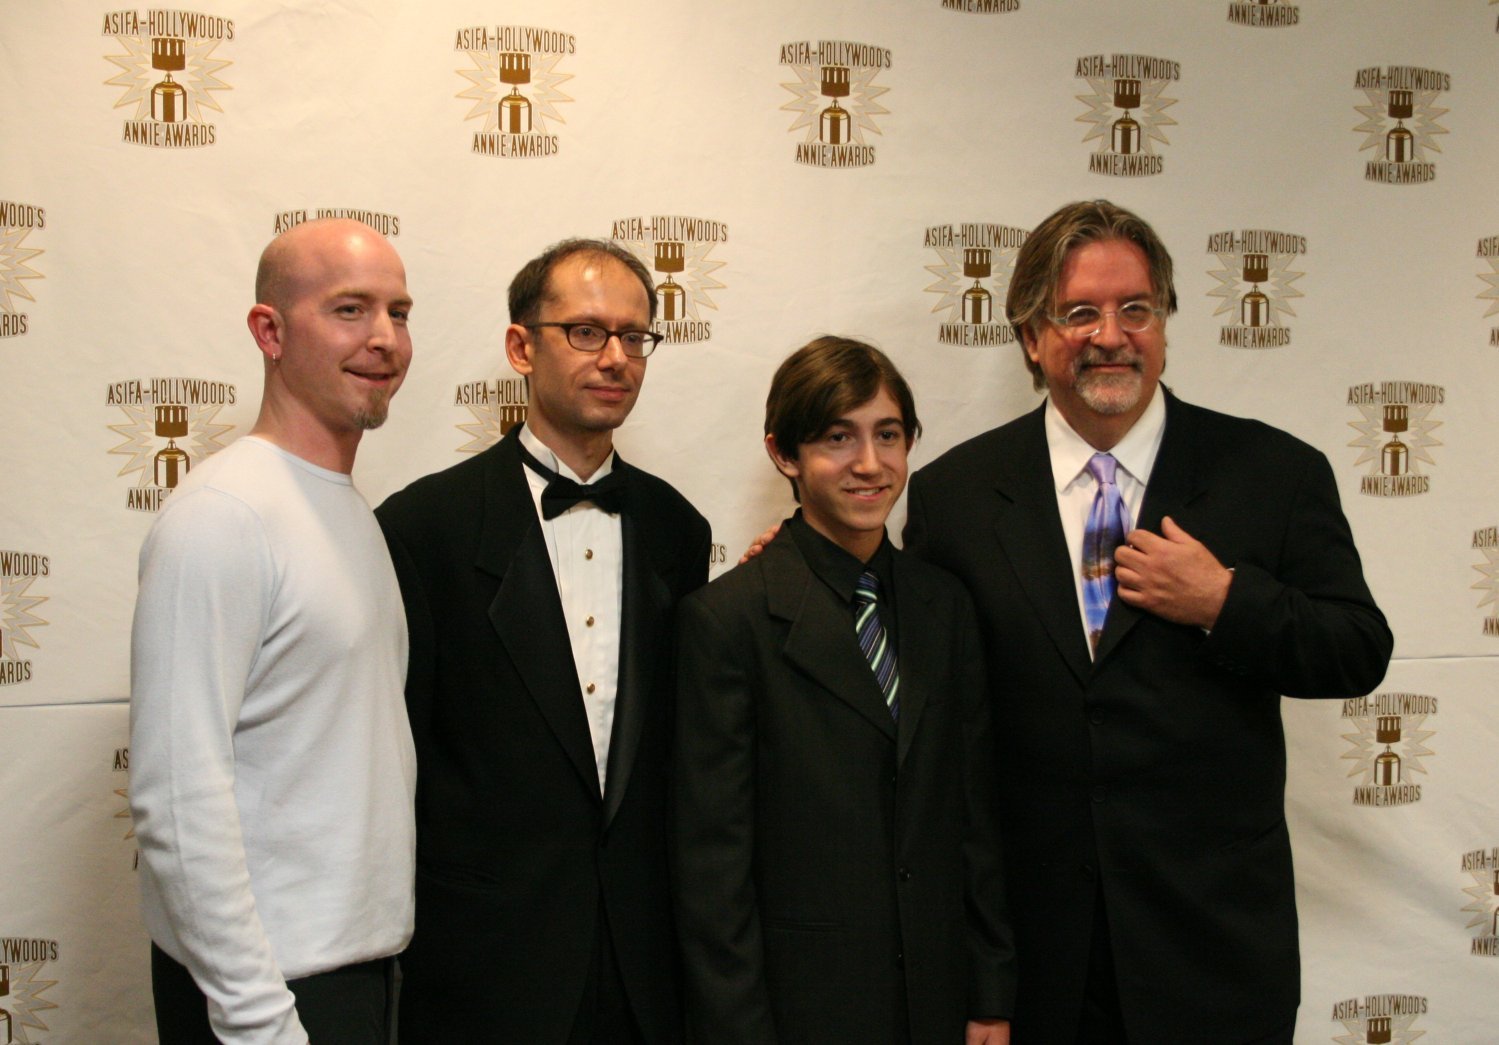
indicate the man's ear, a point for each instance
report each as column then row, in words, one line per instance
column 266, row 327
column 1028, row 340
column 787, row 466
column 518, row 349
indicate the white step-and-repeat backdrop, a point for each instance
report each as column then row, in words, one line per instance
column 1323, row 172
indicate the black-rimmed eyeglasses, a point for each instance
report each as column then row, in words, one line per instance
column 590, row 337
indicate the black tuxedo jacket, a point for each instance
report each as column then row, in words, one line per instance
column 1156, row 773
column 837, row 874
column 518, row 854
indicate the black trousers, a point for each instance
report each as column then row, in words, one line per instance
column 348, row 1006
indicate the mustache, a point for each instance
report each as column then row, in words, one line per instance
column 1097, row 357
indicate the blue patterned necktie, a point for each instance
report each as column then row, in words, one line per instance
column 1108, row 522
column 874, row 641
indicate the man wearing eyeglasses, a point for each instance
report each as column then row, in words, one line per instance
column 1147, row 856
column 540, row 578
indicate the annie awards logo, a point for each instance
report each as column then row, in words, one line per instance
column 1380, row 1019
column 974, row 264
column 1482, row 867
column 17, row 221
column 679, row 250
column 388, row 225
column 1396, row 94
column 168, row 73
column 1127, row 110
column 515, row 81
column 1257, row 268
column 158, row 413
column 1395, row 425
column 23, row 965
column 1388, row 743
column 1264, row 14
column 1488, row 249
column 982, row 7
column 18, row 572
column 495, row 406
column 834, row 99
column 121, row 768
column 1486, row 540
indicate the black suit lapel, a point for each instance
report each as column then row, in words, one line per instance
column 795, row 594
column 527, row 611
column 646, row 600
column 918, row 640
column 1029, row 531
column 1176, row 480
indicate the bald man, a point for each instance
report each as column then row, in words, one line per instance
column 274, row 772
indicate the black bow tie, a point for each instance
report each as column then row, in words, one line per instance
column 562, row 493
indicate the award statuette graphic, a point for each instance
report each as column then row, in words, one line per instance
column 168, row 98
column 515, row 108
column 978, row 303
column 670, row 260
column 1125, row 137
column 1387, row 763
column 495, row 406
column 974, row 262
column 1399, row 143
column 832, row 122
column 1256, row 278
column 680, row 250
column 501, row 60
column 181, row 410
column 834, row 97
column 172, row 464
column 1405, row 154
column 1377, row 1031
column 1394, row 456
column 1395, row 438
column 1254, row 307
column 168, row 75
column 21, row 990
column 1389, row 742
column 1126, row 111
column 1494, row 922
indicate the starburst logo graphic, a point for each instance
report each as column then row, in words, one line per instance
column 17, row 220
column 1264, row 14
column 514, row 83
column 1486, row 540
column 1394, row 95
column 18, row 571
column 1488, row 249
column 168, row 75
column 1126, row 112
column 1387, row 744
column 834, row 98
column 1380, row 1019
column 1482, row 867
column 1255, row 285
column 122, row 766
column 679, row 250
column 495, row 406
column 1395, row 440
column 169, row 409
column 22, row 962
column 974, row 263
